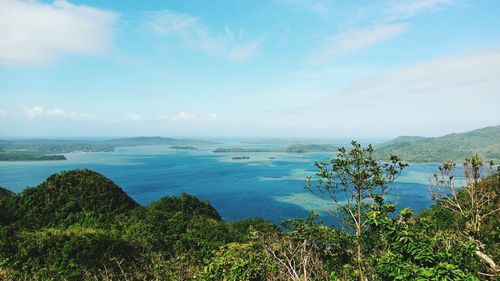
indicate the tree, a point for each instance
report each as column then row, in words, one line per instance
column 352, row 179
column 475, row 202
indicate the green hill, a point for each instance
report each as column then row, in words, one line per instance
column 72, row 197
column 457, row 146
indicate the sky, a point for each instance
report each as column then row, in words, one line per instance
column 276, row 68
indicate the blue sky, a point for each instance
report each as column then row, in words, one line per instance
column 277, row 68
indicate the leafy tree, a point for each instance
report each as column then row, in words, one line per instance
column 349, row 180
column 474, row 201
column 415, row 250
column 239, row 262
column 7, row 206
column 475, row 206
column 68, row 254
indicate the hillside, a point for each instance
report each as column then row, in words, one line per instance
column 485, row 142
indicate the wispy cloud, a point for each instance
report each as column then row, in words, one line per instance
column 38, row 111
column 412, row 100
column 185, row 117
column 134, row 117
column 409, row 8
column 387, row 21
column 194, row 34
column 3, row 114
column 35, row 33
column 355, row 40
column 32, row 112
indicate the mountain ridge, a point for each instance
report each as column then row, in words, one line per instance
column 455, row 146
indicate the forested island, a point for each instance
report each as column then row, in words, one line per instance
column 79, row 225
column 240, row 158
column 485, row 142
column 293, row 148
column 183, row 147
column 42, row 149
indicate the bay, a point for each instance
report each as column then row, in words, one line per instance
column 268, row 185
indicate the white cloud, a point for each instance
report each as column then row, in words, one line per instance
column 32, row 112
column 453, row 93
column 355, row 40
column 184, row 117
column 34, row 33
column 38, row 111
column 409, row 8
column 134, row 117
column 3, row 114
column 193, row 33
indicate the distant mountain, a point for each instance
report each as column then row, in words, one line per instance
column 457, row 146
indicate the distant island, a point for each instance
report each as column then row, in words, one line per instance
column 241, row 158
column 485, row 142
column 181, row 147
column 46, row 149
column 294, row 148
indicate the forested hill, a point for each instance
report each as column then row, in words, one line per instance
column 485, row 142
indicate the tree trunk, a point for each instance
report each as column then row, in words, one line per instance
column 488, row 261
column 359, row 254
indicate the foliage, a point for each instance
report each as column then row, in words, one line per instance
column 74, row 197
column 416, row 251
column 349, row 180
column 68, row 253
column 7, row 206
column 475, row 202
column 238, row 262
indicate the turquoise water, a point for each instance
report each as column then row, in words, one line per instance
column 262, row 187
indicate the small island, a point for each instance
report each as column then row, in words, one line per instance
column 241, row 158
column 30, row 156
column 183, row 147
column 294, row 148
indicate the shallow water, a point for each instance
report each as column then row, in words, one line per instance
column 262, row 187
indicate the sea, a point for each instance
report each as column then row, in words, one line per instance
column 269, row 185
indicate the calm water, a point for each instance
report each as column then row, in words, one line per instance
column 263, row 187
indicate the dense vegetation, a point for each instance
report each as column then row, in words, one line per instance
column 456, row 147
column 41, row 149
column 79, row 225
